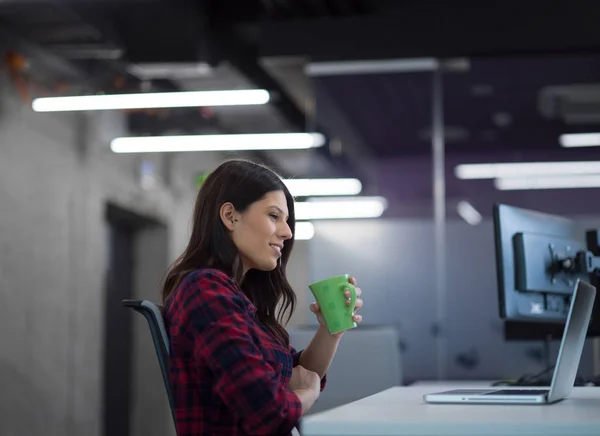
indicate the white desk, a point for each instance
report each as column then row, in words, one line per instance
column 400, row 411
column 458, row 384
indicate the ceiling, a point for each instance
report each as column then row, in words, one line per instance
column 494, row 104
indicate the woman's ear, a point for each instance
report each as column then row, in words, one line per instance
column 228, row 216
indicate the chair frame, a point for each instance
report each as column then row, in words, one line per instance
column 154, row 316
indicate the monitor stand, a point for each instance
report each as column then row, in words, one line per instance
column 547, row 342
column 544, row 377
column 596, row 356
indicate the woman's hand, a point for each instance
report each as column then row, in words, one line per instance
column 314, row 307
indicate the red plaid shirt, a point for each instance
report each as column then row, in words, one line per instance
column 229, row 374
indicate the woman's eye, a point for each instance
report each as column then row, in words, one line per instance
column 274, row 216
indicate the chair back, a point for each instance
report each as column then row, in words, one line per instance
column 154, row 315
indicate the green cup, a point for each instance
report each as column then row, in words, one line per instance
column 329, row 293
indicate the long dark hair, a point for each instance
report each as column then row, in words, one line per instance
column 241, row 183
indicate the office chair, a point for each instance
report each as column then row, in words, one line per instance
column 153, row 315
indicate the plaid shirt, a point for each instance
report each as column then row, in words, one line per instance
column 229, row 374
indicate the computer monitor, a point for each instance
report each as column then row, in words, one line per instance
column 539, row 257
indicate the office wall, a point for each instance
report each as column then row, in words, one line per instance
column 298, row 276
column 407, row 183
column 393, row 261
column 56, row 175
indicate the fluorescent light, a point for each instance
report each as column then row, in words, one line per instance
column 151, row 100
column 467, row 212
column 345, row 208
column 520, row 169
column 261, row 141
column 167, row 70
column 382, row 66
column 371, row 66
column 313, row 187
column 569, row 140
column 304, row 231
column 548, row 182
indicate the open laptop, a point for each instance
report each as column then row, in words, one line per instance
column 565, row 370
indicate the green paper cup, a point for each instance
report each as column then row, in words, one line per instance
column 329, row 293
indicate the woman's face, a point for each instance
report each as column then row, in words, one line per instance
column 261, row 231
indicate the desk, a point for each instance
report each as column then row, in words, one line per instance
column 433, row 385
column 400, row 411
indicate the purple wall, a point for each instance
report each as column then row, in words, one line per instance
column 407, row 184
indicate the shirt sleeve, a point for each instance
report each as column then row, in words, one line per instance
column 296, row 358
column 246, row 383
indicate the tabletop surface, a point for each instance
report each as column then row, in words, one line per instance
column 402, row 411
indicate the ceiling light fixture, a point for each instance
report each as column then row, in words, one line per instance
column 549, row 182
column 572, row 140
column 151, row 100
column 383, row 66
column 467, row 212
column 520, row 169
column 304, row 231
column 378, row 66
column 168, row 70
column 341, row 208
column 320, row 187
column 185, row 143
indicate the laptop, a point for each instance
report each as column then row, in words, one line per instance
column 565, row 371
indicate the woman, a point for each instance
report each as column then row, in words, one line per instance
column 233, row 371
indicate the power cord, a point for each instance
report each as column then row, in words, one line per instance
column 526, row 380
column 542, row 378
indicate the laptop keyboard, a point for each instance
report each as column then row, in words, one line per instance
column 519, row 392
